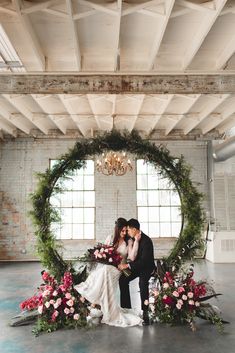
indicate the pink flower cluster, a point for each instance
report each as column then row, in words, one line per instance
column 178, row 298
column 56, row 301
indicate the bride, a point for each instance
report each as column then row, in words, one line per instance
column 101, row 286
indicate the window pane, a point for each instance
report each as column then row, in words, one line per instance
column 175, row 199
column 77, row 199
column 55, row 228
column 151, row 169
column 55, row 201
column 141, row 181
column 88, row 231
column 78, row 182
column 89, row 198
column 153, row 198
column 78, row 231
column 165, row 197
column 153, row 214
column 152, row 182
column 154, row 230
column 145, row 228
column 141, row 166
column 89, row 182
column 89, row 215
column 66, row 200
column 175, row 229
column 77, row 215
column 175, row 214
column 165, row 229
column 165, row 214
column 66, row 231
column 89, row 168
column 141, row 198
column 143, row 214
column 66, row 215
column 68, row 183
column 164, row 183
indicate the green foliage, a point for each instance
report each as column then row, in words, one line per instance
column 176, row 169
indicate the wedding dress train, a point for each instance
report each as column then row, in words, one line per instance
column 101, row 287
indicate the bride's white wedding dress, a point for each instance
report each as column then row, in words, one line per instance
column 101, row 287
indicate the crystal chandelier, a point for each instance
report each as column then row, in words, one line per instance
column 114, row 163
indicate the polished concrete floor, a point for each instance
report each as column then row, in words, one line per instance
column 19, row 280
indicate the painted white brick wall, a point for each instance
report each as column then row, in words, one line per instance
column 115, row 196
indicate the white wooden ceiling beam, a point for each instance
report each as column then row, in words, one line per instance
column 117, row 37
column 20, row 106
column 73, row 115
column 138, row 107
column 160, row 33
column 7, row 127
column 59, row 120
column 74, row 34
column 56, row 13
column 211, row 106
column 144, row 5
column 226, row 54
column 7, row 10
column 1, row 135
column 176, row 119
column 227, row 125
column 202, row 32
column 228, row 9
column 180, row 12
column 31, row 35
column 85, row 14
column 16, row 119
column 102, row 8
column 38, row 7
column 214, row 121
column 161, row 112
column 209, row 5
column 172, row 122
column 153, row 14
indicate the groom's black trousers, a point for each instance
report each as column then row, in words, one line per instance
column 125, row 291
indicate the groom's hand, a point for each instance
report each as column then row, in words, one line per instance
column 123, row 266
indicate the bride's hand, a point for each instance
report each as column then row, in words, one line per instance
column 138, row 237
column 123, row 266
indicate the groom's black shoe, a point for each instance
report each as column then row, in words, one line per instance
column 146, row 320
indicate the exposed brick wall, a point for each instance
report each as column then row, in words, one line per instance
column 115, row 196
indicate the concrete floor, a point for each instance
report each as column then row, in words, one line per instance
column 19, row 280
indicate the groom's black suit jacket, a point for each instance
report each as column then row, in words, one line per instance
column 144, row 261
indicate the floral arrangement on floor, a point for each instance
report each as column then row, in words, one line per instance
column 179, row 299
column 58, row 305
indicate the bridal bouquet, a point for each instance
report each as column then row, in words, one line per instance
column 180, row 299
column 57, row 305
column 105, row 254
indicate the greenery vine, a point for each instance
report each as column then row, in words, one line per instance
column 176, row 169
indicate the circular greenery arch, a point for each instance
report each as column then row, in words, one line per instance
column 176, row 169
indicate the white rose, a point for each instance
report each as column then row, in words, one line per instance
column 66, row 311
column 70, row 302
column 175, row 293
column 55, row 293
column 165, row 285
column 67, row 295
column 184, row 297
column 197, row 304
column 47, row 304
column 191, row 302
column 178, row 306
column 72, row 310
column 76, row 316
column 190, row 294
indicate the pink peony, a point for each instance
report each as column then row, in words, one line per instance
column 68, row 296
column 175, row 293
column 178, row 306
column 66, row 311
column 70, row 302
column 181, row 290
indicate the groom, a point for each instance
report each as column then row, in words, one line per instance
column 141, row 267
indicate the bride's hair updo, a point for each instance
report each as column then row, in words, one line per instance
column 119, row 224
